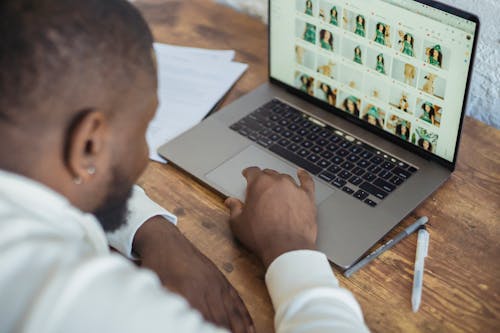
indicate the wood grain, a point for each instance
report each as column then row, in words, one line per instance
column 462, row 276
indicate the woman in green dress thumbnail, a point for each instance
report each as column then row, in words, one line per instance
column 360, row 26
column 329, row 95
column 425, row 142
column 435, row 56
column 380, row 33
column 357, row 55
column 429, row 114
column 309, row 7
column 407, row 45
column 334, row 16
column 351, row 105
column 310, row 33
column 380, row 64
column 373, row 117
column 326, row 40
column 403, row 130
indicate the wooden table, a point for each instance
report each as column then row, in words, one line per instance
column 462, row 273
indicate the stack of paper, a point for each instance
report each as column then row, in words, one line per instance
column 190, row 83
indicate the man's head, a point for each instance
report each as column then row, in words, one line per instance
column 77, row 90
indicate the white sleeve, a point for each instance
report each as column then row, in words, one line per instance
column 104, row 294
column 141, row 208
column 307, row 297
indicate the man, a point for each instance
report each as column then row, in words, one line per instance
column 77, row 90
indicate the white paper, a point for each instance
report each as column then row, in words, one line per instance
column 190, row 83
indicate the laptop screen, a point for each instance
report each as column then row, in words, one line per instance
column 399, row 65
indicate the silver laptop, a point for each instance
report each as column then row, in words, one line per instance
column 368, row 96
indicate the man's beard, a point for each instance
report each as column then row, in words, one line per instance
column 113, row 212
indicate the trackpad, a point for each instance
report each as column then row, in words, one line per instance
column 228, row 175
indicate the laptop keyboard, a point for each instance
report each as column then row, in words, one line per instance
column 333, row 156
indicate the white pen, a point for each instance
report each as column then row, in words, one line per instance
column 418, row 275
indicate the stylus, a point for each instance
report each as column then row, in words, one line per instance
column 418, row 275
column 399, row 237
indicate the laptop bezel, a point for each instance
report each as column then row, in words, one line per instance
column 380, row 132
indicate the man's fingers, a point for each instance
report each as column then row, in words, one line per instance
column 306, row 182
column 237, row 312
column 270, row 172
column 251, row 173
column 235, row 207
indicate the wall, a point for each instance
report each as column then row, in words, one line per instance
column 484, row 98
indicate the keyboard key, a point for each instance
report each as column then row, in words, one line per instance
column 338, row 182
column 303, row 152
column 353, row 158
column 283, row 142
column 278, row 129
column 373, row 190
column 316, row 149
column 243, row 132
column 265, row 142
column 322, row 142
column 342, row 152
column 302, row 132
column 293, row 127
column 403, row 165
column 326, row 176
column 315, row 129
column 313, row 158
column 369, row 176
column 332, row 147
column 384, row 185
column 396, row 181
column 384, row 174
column 235, row 127
column 345, row 144
column 326, row 154
column 358, row 171
column 305, row 124
column 264, row 132
column 364, row 164
column 307, row 144
column 325, row 134
column 284, row 122
column 335, row 139
column 355, row 180
column 324, row 163
column 251, row 124
column 356, row 149
column 287, row 134
column 361, row 195
column 293, row 147
column 370, row 202
column 312, row 136
column 345, row 174
column 334, row 169
column 253, row 137
column 374, row 168
column 366, row 154
column 387, row 165
column 412, row 169
column 280, row 151
column 337, row 159
column 274, row 117
column 347, row 165
column 347, row 190
column 377, row 160
column 297, row 138
column 401, row 173
column 274, row 137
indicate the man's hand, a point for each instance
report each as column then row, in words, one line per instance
column 185, row 270
column 278, row 215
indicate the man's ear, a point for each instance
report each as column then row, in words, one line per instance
column 86, row 143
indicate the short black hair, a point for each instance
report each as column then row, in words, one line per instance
column 48, row 46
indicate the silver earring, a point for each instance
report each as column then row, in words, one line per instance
column 91, row 170
column 77, row 180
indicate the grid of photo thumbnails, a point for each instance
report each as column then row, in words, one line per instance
column 371, row 68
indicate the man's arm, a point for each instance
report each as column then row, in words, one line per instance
column 278, row 223
column 162, row 248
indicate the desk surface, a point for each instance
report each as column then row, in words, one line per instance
column 462, row 274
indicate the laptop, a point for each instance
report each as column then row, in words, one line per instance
column 368, row 96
